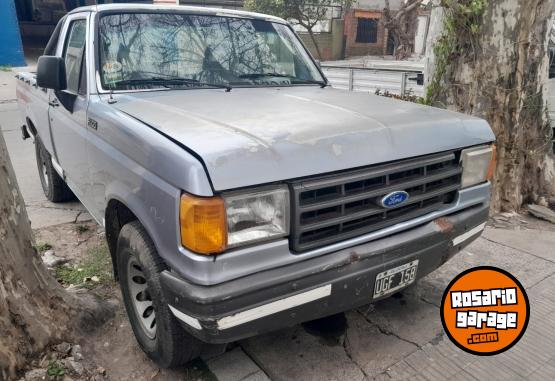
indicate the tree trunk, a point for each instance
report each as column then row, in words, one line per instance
column 434, row 32
column 313, row 38
column 402, row 25
column 34, row 309
column 499, row 72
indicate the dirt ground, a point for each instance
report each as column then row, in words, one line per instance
column 113, row 346
column 71, row 241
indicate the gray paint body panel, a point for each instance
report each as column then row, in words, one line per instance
column 275, row 134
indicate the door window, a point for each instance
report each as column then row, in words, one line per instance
column 74, row 53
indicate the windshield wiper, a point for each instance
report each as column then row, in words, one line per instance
column 295, row 79
column 167, row 82
column 260, row 75
column 312, row 81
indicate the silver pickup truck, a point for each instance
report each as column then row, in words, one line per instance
column 239, row 192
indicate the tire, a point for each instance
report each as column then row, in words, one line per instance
column 139, row 268
column 54, row 187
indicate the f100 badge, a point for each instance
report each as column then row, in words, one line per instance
column 485, row 311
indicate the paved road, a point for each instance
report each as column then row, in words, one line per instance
column 399, row 338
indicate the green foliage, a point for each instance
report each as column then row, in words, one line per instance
column 80, row 229
column 409, row 96
column 43, row 246
column 271, row 7
column 55, row 371
column 97, row 263
column 461, row 25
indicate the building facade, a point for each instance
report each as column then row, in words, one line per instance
column 365, row 33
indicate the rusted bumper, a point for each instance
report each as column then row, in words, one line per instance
column 317, row 287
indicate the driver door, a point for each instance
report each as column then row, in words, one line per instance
column 68, row 108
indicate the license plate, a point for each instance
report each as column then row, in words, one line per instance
column 394, row 279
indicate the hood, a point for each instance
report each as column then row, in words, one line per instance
column 253, row 136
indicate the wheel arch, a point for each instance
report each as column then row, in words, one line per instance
column 117, row 215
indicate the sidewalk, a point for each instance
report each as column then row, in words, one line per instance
column 22, row 153
column 402, row 337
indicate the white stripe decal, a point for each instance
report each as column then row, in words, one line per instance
column 469, row 234
column 186, row 318
column 274, row 307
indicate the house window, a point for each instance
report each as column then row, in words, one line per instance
column 367, row 30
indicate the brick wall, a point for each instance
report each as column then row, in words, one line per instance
column 353, row 48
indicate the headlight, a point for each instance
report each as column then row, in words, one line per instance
column 478, row 165
column 255, row 216
column 210, row 225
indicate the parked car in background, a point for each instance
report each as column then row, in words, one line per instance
column 239, row 192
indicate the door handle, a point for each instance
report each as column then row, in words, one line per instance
column 419, row 79
column 54, row 103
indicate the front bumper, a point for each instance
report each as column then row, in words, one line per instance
column 317, row 287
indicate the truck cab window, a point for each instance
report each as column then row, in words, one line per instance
column 74, row 50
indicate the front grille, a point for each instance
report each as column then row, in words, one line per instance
column 333, row 208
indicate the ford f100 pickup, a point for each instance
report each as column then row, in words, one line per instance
column 239, row 192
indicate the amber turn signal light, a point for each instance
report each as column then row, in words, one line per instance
column 492, row 163
column 203, row 224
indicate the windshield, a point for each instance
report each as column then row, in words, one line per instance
column 161, row 50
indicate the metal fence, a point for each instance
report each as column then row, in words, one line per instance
column 396, row 81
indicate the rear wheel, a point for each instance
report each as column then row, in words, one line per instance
column 158, row 332
column 54, row 187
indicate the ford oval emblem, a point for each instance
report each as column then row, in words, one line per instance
column 394, row 199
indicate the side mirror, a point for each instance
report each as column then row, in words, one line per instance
column 51, row 73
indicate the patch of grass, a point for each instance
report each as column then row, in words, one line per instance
column 97, row 263
column 55, row 370
column 408, row 96
column 5, row 68
column 461, row 24
column 43, row 246
column 80, row 229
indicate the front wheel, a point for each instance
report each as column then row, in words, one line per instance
column 156, row 329
column 54, row 187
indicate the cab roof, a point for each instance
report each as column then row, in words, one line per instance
column 178, row 9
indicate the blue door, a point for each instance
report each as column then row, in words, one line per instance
column 11, row 53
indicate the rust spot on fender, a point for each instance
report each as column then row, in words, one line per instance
column 445, row 226
column 354, row 257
